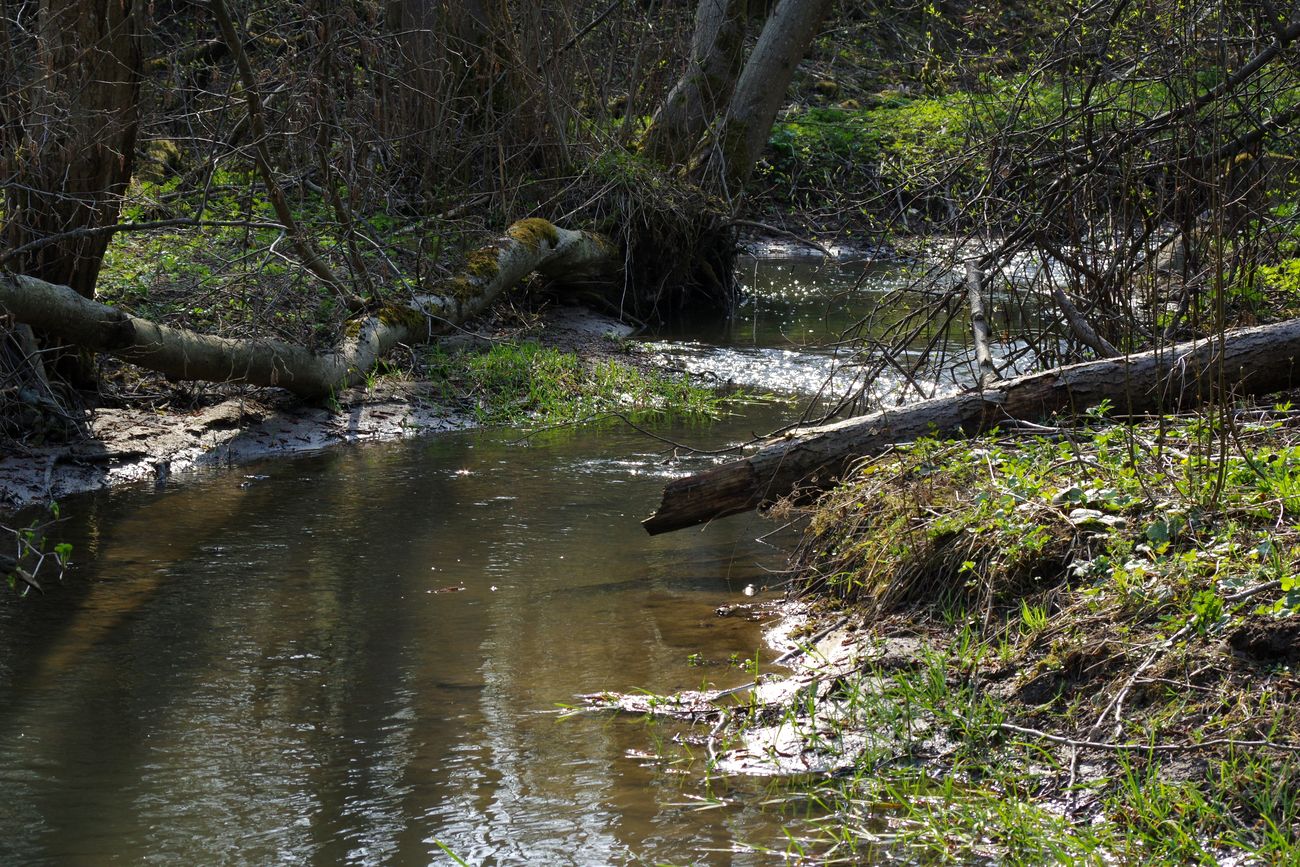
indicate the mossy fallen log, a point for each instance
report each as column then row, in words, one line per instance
column 1241, row 362
column 528, row 245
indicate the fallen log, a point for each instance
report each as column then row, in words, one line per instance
column 528, row 245
column 1245, row 361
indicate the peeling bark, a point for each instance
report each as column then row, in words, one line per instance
column 1250, row 360
column 527, row 246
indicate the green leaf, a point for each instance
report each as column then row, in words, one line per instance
column 1158, row 532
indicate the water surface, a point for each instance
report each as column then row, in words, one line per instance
column 264, row 670
column 809, row 326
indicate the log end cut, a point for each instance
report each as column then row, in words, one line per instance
column 726, row 490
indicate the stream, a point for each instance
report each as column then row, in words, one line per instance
column 361, row 656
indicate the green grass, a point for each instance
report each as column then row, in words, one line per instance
column 524, row 383
column 912, row 146
column 1191, row 504
column 1094, row 585
column 900, row 136
column 931, row 155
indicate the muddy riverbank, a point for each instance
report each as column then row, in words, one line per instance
column 139, row 444
column 1072, row 645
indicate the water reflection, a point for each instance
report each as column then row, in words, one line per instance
column 267, row 672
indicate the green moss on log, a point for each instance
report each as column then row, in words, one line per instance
column 398, row 315
column 533, row 231
column 482, row 263
column 391, row 315
column 461, row 288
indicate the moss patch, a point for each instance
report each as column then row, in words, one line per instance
column 533, row 231
column 460, row 287
column 482, row 263
column 398, row 315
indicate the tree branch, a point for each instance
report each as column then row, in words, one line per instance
column 310, row 258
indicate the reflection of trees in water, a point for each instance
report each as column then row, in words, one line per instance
column 265, row 665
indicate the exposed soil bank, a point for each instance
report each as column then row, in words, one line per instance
column 133, row 445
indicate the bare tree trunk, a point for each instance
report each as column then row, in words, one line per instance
column 1251, row 360
column 706, row 86
column 727, row 157
column 68, row 152
column 527, row 246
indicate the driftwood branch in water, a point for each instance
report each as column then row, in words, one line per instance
column 979, row 323
column 1252, row 361
column 1081, row 327
column 527, row 246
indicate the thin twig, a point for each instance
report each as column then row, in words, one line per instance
column 777, row 230
column 577, row 37
column 1143, row 748
column 1252, row 591
column 94, row 231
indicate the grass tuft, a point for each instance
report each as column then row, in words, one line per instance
column 524, row 383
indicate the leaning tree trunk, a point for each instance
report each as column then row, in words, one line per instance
column 727, row 157
column 68, row 153
column 527, row 246
column 706, row 86
column 700, row 264
column 1250, row 360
